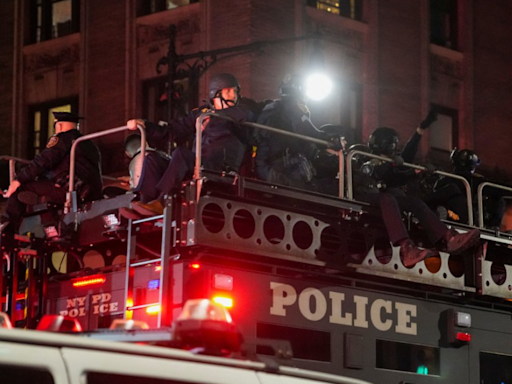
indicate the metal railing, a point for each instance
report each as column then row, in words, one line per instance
column 327, row 144
column 350, row 191
column 12, row 165
column 480, row 198
column 69, row 197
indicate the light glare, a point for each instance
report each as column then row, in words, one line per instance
column 318, row 86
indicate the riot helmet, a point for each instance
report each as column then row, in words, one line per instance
column 384, row 141
column 465, row 159
column 292, row 85
column 221, row 81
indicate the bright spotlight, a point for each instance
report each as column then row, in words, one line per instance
column 318, row 86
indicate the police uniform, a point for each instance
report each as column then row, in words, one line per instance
column 144, row 175
column 47, row 175
column 393, row 201
column 282, row 159
column 224, row 143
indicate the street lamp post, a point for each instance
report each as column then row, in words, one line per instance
column 178, row 66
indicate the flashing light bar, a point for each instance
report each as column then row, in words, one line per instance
column 153, row 310
column 226, row 302
column 95, row 280
column 463, row 336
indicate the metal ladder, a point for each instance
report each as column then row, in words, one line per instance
column 20, row 254
column 168, row 240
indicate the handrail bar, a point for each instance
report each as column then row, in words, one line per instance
column 480, row 197
column 350, row 192
column 94, row 135
column 328, row 144
column 12, row 162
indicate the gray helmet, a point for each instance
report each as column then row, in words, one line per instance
column 221, row 81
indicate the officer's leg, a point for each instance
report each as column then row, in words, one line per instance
column 451, row 197
column 436, row 230
column 180, row 166
column 15, row 208
column 150, row 176
column 391, row 214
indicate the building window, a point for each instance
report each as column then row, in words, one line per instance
column 155, row 98
column 443, row 23
column 42, row 124
column 53, row 18
column 147, row 7
column 444, row 132
column 495, row 368
column 415, row 358
column 352, row 9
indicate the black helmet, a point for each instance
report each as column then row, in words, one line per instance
column 292, row 85
column 465, row 159
column 383, row 141
column 221, row 81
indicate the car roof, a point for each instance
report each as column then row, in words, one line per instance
column 59, row 340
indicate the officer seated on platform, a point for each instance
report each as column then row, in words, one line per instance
column 385, row 193
column 224, row 143
column 46, row 177
column 288, row 160
column 144, row 173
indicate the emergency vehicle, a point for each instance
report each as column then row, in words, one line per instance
column 296, row 268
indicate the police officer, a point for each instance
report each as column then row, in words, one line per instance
column 392, row 200
column 283, row 159
column 224, row 143
column 145, row 172
column 47, row 175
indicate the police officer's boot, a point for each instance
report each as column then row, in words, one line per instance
column 457, row 243
column 411, row 254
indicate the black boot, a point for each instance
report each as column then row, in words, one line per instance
column 411, row 254
column 456, row 243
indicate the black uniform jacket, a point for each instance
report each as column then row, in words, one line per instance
column 288, row 114
column 223, row 142
column 392, row 176
column 54, row 161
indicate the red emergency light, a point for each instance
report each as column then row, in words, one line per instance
column 463, row 336
column 194, row 266
column 88, row 281
column 225, row 301
column 59, row 323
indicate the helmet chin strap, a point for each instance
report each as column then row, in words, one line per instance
column 229, row 103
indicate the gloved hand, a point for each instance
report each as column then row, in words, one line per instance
column 338, row 143
column 398, row 161
column 427, row 122
column 430, row 168
column 331, row 130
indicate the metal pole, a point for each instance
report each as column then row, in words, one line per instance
column 350, row 191
column 68, row 202
column 480, row 198
column 171, row 72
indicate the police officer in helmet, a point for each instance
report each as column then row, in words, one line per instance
column 46, row 177
column 389, row 176
column 223, row 142
column 283, row 159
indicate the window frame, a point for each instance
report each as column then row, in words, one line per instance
column 357, row 4
column 452, row 40
column 46, row 27
column 44, row 109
